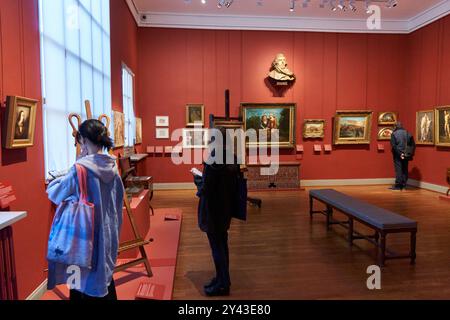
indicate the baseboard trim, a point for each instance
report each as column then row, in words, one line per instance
column 174, row 186
column 39, row 292
column 427, row 186
column 346, row 182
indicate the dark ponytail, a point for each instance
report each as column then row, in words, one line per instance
column 96, row 132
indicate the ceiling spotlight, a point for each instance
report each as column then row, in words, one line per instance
column 341, row 5
column 203, row 1
column 228, row 3
column 391, row 4
column 368, row 10
column 352, row 5
column 305, row 3
column 292, row 6
column 259, row 3
column 322, row 3
column 333, row 5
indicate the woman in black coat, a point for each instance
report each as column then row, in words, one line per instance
column 218, row 193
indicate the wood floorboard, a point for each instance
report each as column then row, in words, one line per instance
column 281, row 254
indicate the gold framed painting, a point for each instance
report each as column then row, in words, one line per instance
column 352, row 127
column 21, row 122
column 119, row 129
column 387, row 118
column 269, row 117
column 385, row 133
column 314, row 129
column 425, row 127
column 442, row 123
column 138, row 131
column 195, row 115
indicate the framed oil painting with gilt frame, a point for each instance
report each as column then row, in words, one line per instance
column 21, row 122
column 352, row 127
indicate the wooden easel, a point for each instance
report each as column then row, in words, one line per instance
column 138, row 241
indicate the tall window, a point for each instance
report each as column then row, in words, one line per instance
column 128, row 105
column 76, row 66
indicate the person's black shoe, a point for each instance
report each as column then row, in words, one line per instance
column 394, row 188
column 212, row 283
column 217, row 291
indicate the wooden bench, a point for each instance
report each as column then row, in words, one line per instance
column 382, row 221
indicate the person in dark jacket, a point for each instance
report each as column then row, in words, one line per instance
column 217, row 192
column 399, row 141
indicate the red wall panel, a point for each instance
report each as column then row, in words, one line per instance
column 24, row 169
column 428, row 81
column 334, row 71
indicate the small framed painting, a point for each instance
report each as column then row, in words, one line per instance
column 162, row 133
column 443, row 126
column 387, row 118
column 352, row 127
column 195, row 138
column 195, row 115
column 119, row 129
column 314, row 129
column 138, row 130
column 162, row 121
column 21, row 122
column 425, row 131
column 385, row 133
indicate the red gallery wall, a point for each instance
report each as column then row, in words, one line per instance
column 20, row 75
column 334, row 71
column 429, row 80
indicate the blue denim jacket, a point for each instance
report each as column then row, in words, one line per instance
column 105, row 191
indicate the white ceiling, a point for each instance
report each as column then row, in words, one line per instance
column 408, row 16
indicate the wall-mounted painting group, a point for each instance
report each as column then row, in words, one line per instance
column 433, row 127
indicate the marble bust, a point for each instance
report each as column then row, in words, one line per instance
column 279, row 70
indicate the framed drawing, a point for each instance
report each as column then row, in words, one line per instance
column 314, row 129
column 162, row 121
column 138, row 131
column 21, row 122
column 195, row 115
column 443, row 126
column 195, row 138
column 385, row 133
column 352, row 127
column 387, row 118
column 162, row 133
column 119, row 129
column 425, row 131
column 269, row 117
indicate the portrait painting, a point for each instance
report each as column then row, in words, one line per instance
column 21, row 117
column 443, row 126
column 352, row 127
column 314, row 129
column 119, row 129
column 268, row 120
column 138, row 130
column 195, row 115
column 162, row 133
column 425, row 131
column 385, row 133
column 195, row 138
column 387, row 118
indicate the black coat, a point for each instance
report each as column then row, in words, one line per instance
column 399, row 140
column 217, row 190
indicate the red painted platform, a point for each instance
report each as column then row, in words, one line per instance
column 163, row 259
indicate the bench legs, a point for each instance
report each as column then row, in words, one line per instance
column 413, row 247
column 382, row 249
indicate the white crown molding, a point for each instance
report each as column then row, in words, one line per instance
column 134, row 11
column 271, row 23
column 429, row 16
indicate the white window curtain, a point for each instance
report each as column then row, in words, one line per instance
column 76, row 66
column 128, row 106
